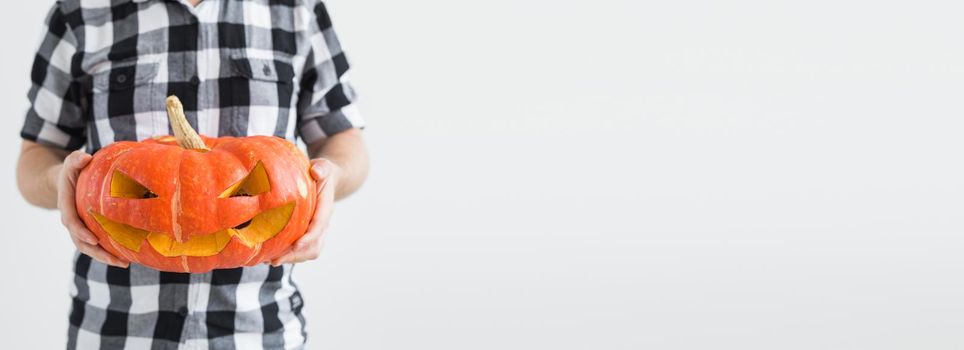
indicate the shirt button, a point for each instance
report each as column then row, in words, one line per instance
column 122, row 78
column 195, row 81
column 182, row 311
column 266, row 70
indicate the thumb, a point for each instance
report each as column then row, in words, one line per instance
column 320, row 170
column 79, row 159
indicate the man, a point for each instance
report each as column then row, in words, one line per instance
column 258, row 67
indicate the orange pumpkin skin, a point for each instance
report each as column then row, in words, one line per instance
column 190, row 205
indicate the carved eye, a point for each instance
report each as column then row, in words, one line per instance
column 123, row 186
column 252, row 185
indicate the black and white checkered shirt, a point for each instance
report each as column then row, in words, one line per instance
column 252, row 67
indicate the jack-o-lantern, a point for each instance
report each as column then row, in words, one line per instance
column 188, row 203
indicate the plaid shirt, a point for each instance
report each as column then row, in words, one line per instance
column 254, row 67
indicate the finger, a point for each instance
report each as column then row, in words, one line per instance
column 74, row 163
column 101, row 255
column 293, row 256
column 65, row 190
column 304, row 244
column 323, row 209
column 66, row 194
column 307, row 247
column 290, row 258
column 284, row 259
column 319, row 223
column 314, row 232
column 79, row 159
column 77, row 229
column 311, row 252
column 71, row 169
column 268, row 260
column 320, row 170
column 98, row 248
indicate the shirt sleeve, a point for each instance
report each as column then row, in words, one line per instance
column 326, row 102
column 55, row 116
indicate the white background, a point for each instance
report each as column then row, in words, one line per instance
column 612, row 174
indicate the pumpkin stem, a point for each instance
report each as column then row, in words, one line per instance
column 183, row 132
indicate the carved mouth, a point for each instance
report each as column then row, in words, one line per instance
column 258, row 229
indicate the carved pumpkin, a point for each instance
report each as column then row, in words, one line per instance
column 188, row 203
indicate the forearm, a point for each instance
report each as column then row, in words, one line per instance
column 347, row 150
column 37, row 171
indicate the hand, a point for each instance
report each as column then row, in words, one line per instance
column 308, row 247
column 85, row 241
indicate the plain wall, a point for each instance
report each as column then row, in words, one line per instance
column 612, row 174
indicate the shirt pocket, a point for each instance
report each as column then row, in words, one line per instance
column 126, row 89
column 263, row 94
